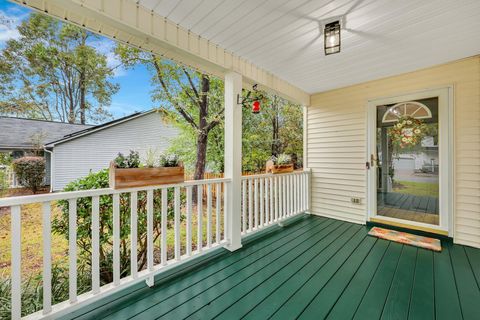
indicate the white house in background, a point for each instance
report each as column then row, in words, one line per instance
column 91, row 150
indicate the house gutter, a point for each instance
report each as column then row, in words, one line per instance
column 51, row 167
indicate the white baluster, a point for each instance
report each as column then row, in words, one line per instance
column 16, row 263
column 209, row 215
column 250, row 205
column 177, row 222
column 218, row 192
column 72, row 250
column 255, row 194
column 116, row 239
column 150, row 280
column 267, row 201
column 163, row 250
column 200, row 217
column 189, row 221
column 276, row 195
column 262, row 202
column 133, row 234
column 47, row 258
column 244, row 206
column 96, row 244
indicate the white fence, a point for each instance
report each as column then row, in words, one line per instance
column 266, row 200
column 271, row 198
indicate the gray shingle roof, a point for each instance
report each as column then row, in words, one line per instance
column 17, row 133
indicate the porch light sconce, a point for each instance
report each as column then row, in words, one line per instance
column 332, row 37
column 252, row 97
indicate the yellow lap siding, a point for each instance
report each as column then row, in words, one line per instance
column 336, row 140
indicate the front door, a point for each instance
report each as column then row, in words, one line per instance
column 410, row 160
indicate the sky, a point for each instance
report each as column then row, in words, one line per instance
column 134, row 94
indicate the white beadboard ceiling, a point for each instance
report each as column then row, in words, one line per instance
column 380, row 37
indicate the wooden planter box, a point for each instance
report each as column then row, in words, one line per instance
column 121, row 178
column 282, row 168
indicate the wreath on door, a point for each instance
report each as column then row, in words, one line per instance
column 407, row 132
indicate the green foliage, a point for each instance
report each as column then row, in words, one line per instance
column 130, row 161
column 30, row 172
column 6, row 158
column 278, row 128
column 84, row 210
column 32, row 290
column 151, row 160
column 54, row 71
column 169, row 160
column 282, row 159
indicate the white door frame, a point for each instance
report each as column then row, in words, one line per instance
column 446, row 150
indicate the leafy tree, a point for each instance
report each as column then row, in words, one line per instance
column 53, row 72
column 192, row 100
column 277, row 129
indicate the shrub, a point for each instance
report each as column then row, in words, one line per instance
column 84, row 209
column 30, row 172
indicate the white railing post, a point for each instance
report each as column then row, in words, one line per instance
column 233, row 159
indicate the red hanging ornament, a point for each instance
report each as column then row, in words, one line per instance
column 256, row 106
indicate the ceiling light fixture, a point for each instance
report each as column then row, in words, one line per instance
column 332, row 38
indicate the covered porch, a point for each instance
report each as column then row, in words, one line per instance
column 292, row 245
column 313, row 268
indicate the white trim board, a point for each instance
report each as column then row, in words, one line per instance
column 446, row 159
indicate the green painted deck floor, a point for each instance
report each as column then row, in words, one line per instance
column 315, row 268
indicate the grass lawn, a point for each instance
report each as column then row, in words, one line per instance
column 417, row 188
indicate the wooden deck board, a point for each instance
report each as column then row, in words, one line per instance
column 316, row 268
column 189, row 301
column 422, row 301
column 447, row 305
column 307, row 261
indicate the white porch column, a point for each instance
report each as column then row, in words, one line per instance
column 233, row 159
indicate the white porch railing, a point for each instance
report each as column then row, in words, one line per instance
column 207, row 237
column 266, row 199
column 270, row 198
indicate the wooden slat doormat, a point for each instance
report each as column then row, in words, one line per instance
column 406, row 238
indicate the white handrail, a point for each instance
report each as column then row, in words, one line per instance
column 21, row 200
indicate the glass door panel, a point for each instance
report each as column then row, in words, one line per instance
column 407, row 165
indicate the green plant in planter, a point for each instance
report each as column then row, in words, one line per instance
column 151, row 158
column 130, row 161
column 283, row 159
column 169, row 160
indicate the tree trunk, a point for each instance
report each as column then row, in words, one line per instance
column 275, row 131
column 83, row 106
column 201, row 156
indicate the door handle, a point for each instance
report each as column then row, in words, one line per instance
column 373, row 160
